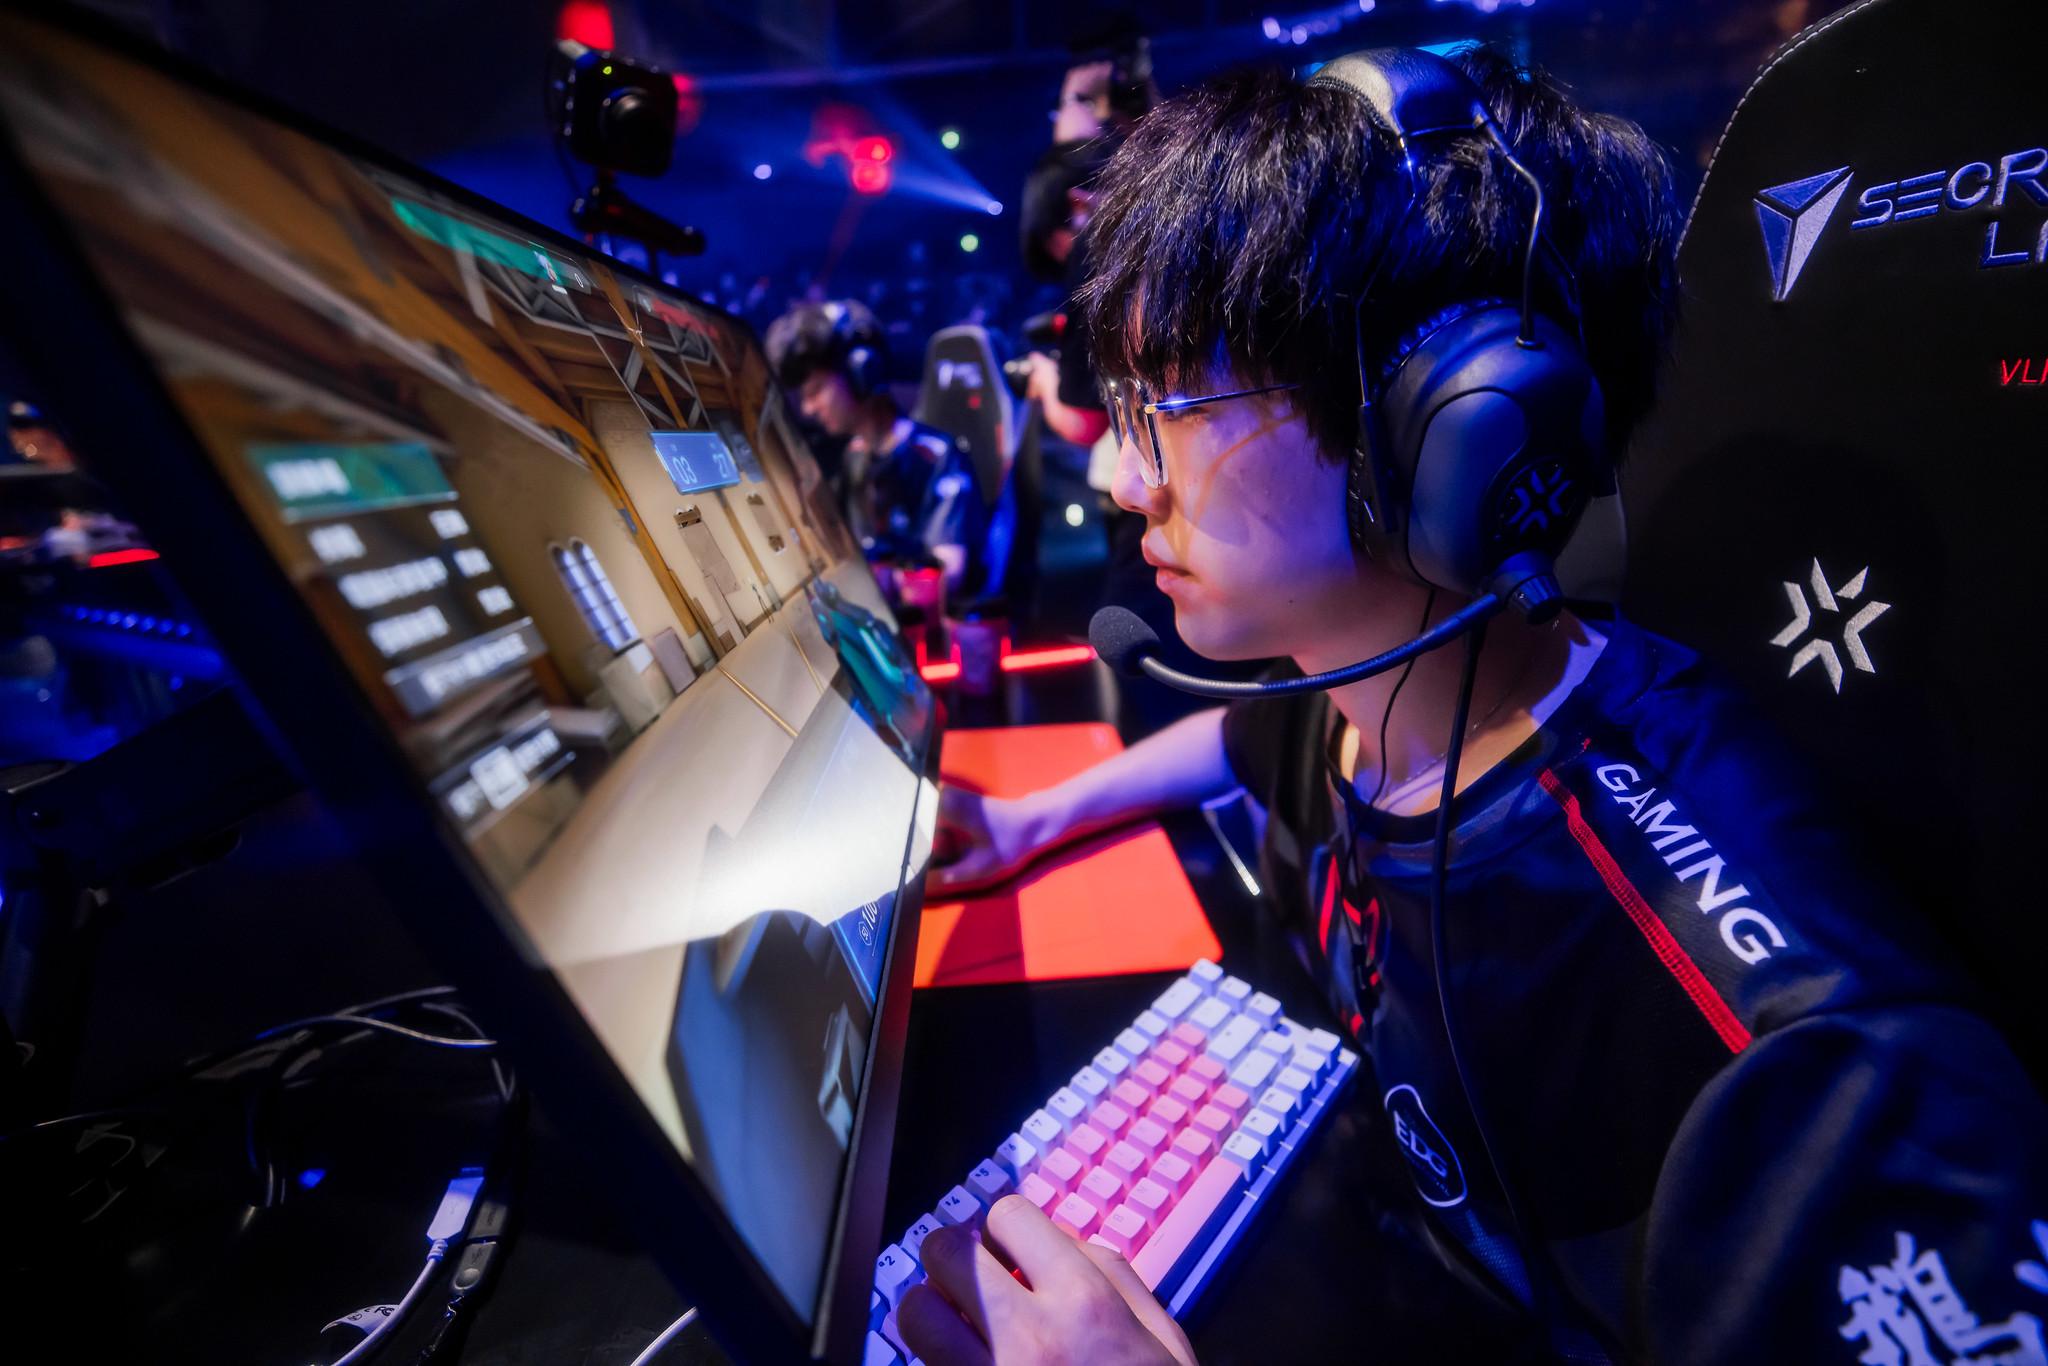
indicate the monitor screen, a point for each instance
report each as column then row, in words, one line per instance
column 562, row 534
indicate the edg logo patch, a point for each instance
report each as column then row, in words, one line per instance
column 1434, row 1164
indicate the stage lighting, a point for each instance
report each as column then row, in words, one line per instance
column 949, row 139
column 870, row 177
column 995, row 207
column 1075, row 514
column 969, row 242
column 763, row 171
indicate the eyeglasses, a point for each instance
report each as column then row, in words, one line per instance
column 1133, row 414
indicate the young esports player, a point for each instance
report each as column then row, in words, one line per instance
column 909, row 488
column 1687, row 1088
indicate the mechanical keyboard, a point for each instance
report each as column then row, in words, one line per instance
column 1163, row 1147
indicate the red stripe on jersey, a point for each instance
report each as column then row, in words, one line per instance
column 1669, row 951
column 1329, row 905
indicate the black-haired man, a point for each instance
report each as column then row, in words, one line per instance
column 1732, row 1110
column 910, row 491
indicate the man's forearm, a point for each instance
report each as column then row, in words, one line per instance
column 1181, row 766
column 1078, row 426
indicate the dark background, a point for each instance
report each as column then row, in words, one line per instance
column 459, row 88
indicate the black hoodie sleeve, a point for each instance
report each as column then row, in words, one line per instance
column 1863, row 1187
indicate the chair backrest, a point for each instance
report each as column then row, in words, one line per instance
column 963, row 395
column 1845, row 473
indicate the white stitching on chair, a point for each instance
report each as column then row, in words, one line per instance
column 1797, row 41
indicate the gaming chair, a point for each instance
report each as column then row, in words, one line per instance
column 1836, row 492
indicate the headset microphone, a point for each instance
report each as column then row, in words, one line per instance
column 1130, row 647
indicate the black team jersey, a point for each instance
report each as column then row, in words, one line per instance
column 1744, row 1116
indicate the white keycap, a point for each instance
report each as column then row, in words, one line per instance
column 1150, row 1024
column 989, row 1183
column 1209, row 1014
column 1295, row 1080
column 1254, row 1073
column 1111, row 1063
column 1176, row 1000
column 1015, row 1155
column 1274, row 1042
column 878, row 1352
column 1316, row 1064
column 1262, row 1007
column 1323, row 1040
column 1066, row 1106
column 1091, row 1084
column 1245, row 1150
column 1234, row 990
column 959, row 1207
column 1263, row 1128
column 1205, row 974
column 914, row 1236
column 1281, row 1104
column 1042, row 1129
column 895, row 1272
column 1230, row 1043
column 1132, row 1044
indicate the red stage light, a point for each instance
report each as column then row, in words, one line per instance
column 1058, row 656
column 874, row 149
column 587, row 22
column 940, row 673
column 107, row 558
column 870, row 177
column 689, row 102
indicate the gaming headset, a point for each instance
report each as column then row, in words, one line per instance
column 858, row 345
column 1482, row 438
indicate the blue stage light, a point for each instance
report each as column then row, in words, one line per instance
column 763, row 171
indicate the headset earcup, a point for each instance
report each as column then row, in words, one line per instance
column 1497, row 447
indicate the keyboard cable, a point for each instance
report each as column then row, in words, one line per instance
column 653, row 1349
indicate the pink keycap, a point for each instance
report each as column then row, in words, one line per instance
column 1124, row 1229
column 1206, row 1070
column 1110, row 1119
column 1188, row 1091
column 1148, row 1136
column 1061, row 1168
column 1125, row 1162
column 1192, row 1144
column 1132, row 1096
column 1076, row 1216
column 1153, row 1076
column 1101, row 1241
column 1038, row 1190
column 1168, row 1113
column 1218, row 1183
column 1170, row 1055
column 1087, row 1143
column 1212, row 1121
column 1149, row 1200
column 1102, row 1186
column 1189, row 1037
column 1231, row 1100
column 1173, row 1172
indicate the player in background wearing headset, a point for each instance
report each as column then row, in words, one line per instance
column 1734, row 1109
column 909, row 489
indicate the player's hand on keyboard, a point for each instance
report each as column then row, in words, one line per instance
column 981, row 840
column 1077, row 1302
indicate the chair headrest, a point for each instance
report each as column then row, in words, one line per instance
column 963, row 394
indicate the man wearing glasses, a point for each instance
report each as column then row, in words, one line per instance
column 1735, row 1110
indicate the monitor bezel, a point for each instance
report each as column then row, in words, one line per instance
column 306, row 703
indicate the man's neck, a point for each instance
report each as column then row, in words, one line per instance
column 1525, row 673
column 875, row 427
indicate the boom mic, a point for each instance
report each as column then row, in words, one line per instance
column 1123, row 640
column 1129, row 646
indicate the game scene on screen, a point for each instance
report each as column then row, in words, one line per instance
column 560, row 530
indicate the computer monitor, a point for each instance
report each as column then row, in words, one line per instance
column 519, row 556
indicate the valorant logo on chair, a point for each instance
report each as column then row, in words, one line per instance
column 1818, row 646
column 1791, row 217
